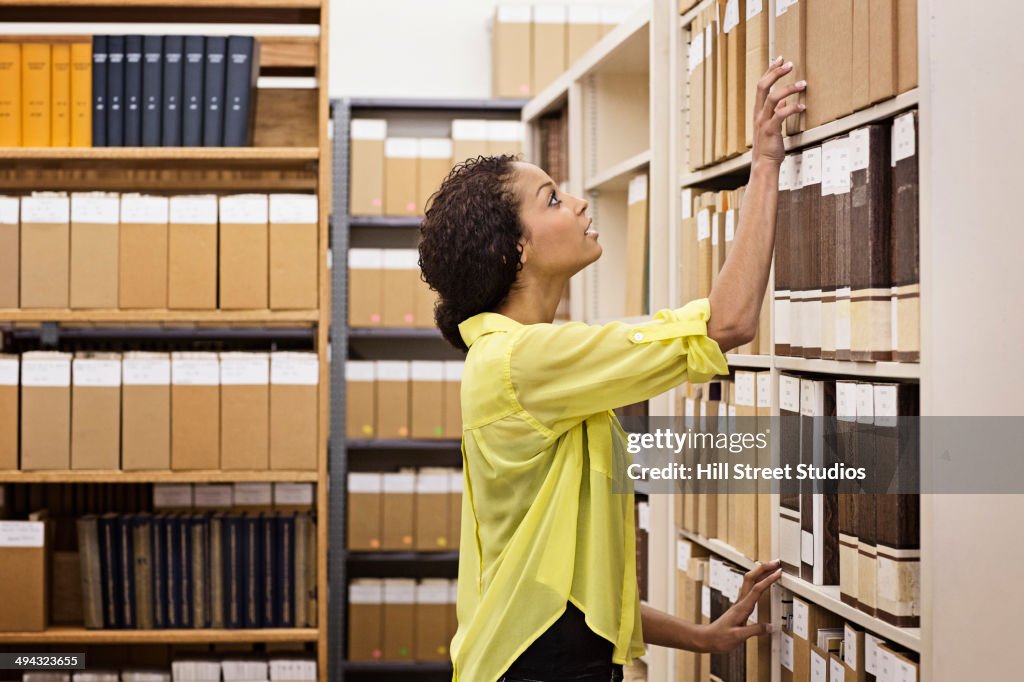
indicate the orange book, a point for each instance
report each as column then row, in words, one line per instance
column 81, row 94
column 60, row 95
column 10, row 95
column 35, row 95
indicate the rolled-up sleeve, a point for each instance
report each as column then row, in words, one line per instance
column 561, row 374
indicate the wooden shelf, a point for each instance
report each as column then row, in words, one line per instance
column 397, row 222
column 440, row 104
column 398, row 444
column 756, row 361
column 402, row 557
column 217, row 476
column 880, row 370
column 212, row 155
column 395, row 667
column 618, row 176
column 159, row 316
column 80, row 635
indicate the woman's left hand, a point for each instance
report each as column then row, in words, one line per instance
column 731, row 629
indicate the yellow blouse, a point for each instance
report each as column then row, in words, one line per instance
column 540, row 524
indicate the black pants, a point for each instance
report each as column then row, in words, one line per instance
column 568, row 651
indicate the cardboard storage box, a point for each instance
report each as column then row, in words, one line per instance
column 398, row 511
column 294, row 255
column 366, row 619
column 244, row 411
column 512, row 52
column 244, row 251
column 756, row 40
column 195, row 411
column 392, row 399
column 400, row 184
column 294, row 410
column 549, row 44
column 366, row 188
column 452, row 398
column 469, row 139
column 365, row 511
column 143, row 254
column 735, row 77
column 45, row 410
column 9, row 378
column 829, row 61
column 791, row 42
column 146, row 411
column 431, row 520
column 583, row 32
column 431, row 620
column 427, row 396
column 882, row 67
column 192, row 253
column 435, row 162
column 95, row 221
column 24, row 576
column 399, row 619
column 10, row 252
column 360, row 399
column 401, row 272
column 45, row 250
column 96, row 411
column 424, row 301
column 906, row 45
column 365, row 287
column 505, row 137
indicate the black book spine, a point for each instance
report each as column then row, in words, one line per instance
column 152, row 89
column 285, row 578
column 239, row 90
column 269, row 549
column 232, row 555
column 213, row 92
column 192, row 115
column 115, row 91
column 133, row 91
column 127, row 568
column 173, row 68
column 173, row 540
column 158, row 543
column 99, row 91
column 108, row 570
column 184, row 530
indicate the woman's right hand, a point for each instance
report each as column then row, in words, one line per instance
column 770, row 110
column 730, row 630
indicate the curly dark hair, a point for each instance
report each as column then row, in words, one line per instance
column 469, row 242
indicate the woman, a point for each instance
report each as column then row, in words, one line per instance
column 547, row 573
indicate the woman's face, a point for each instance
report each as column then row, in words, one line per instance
column 559, row 241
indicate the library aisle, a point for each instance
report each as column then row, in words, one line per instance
column 243, row 439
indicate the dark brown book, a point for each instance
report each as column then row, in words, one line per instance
column 831, row 170
column 906, row 276
column 789, row 455
column 846, row 424
column 843, row 247
column 783, row 255
column 797, row 254
column 898, row 525
column 810, row 275
column 870, row 281
column 865, row 503
column 142, row 531
column 216, row 570
column 92, row 587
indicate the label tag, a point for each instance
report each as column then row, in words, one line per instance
column 850, row 647
column 903, row 142
column 22, row 533
column 754, row 7
column 732, row 15
column 801, row 618
column 683, row 552
column 703, row 225
column 786, row 653
column 705, row 601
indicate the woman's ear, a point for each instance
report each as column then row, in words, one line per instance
column 524, row 249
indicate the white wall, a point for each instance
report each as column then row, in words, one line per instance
column 415, row 48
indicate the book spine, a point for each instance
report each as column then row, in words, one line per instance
column 271, row 595
column 213, row 92
column 239, row 90
column 143, row 571
column 905, row 247
column 99, row 91
column 252, row 571
column 233, row 571
column 133, row 91
column 200, row 572
column 115, row 91
column 81, row 94
column 192, row 115
column 216, row 571
column 158, row 542
column 152, row 90
column 35, row 94
column 127, row 569
column 60, row 95
column 284, row 579
column 173, row 75
column 184, row 530
column 92, row 577
column 10, row 95
column 173, row 545
column 783, row 255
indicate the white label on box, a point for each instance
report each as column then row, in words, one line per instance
column 754, row 7
column 906, row 671
column 903, row 143
column 637, row 190
column 46, row 371
column 435, row 148
column 244, row 369
column 584, row 14
column 195, row 371
column 885, row 405
column 148, row 210
column 836, row 672
column 453, row 370
column 359, row 370
column 886, row 665
column 45, row 209
column 549, row 14
column 198, row 210
column 427, row 370
column 294, row 209
column 366, row 591
column 705, row 601
column 172, row 495
column 871, row 654
column 786, row 652
column 401, row 148
column 703, row 225
column 90, row 208
column 401, row 259
column 365, row 259
column 782, row 5
column 860, row 151
column 294, row 369
column 846, row 401
column 850, row 647
column 789, row 393
column 730, row 225
column 146, row 371
column 9, row 210
column 643, row 515
column 689, row 408
column 801, row 619
column 808, row 397
column 696, row 57
column 455, row 482
column 429, row 484
column 253, row 494
column 243, row 209
column 399, row 591
column 819, row 668
column 212, row 495
column 399, row 483
column 514, row 14
column 22, row 533
column 764, row 389
column 96, row 373
column 293, row 494
column 432, row 592
column 714, row 229
column 715, row 577
column 810, row 167
column 365, row 483
column 683, row 553
column 369, row 129
column 707, row 42
column 745, row 388
column 828, row 168
column 9, row 371
column 469, row 129
column 732, row 15
column 393, row 370
column 686, row 203
column 865, row 403
column 843, row 183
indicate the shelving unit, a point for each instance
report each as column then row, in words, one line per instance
column 291, row 153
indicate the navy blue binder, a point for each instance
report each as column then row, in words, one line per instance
column 213, row 92
column 173, row 74
column 192, row 115
column 99, row 91
column 133, row 91
column 115, row 91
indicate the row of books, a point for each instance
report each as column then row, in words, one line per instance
column 159, row 411
column 45, row 94
column 400, row 619
column 197, row 571
column 107, row 250
column 847, row 271
column 402, row 399
column 272, row 669
column 204, row 497
column 412, row 509
column 386, row 290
